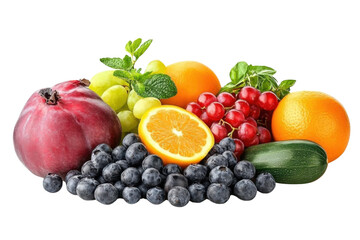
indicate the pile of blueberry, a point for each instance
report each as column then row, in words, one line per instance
column 130, row 172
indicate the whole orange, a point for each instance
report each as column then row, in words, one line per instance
column 191, row 79
column 313, row 116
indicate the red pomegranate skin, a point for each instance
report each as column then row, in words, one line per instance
column 58, row 135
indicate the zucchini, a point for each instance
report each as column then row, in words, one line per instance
column 292, row 161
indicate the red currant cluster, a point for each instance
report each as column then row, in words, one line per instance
column 245, row 116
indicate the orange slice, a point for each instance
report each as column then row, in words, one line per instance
column 175, row 135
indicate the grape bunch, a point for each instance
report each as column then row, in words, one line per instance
column 245, row 117
column 128, row 105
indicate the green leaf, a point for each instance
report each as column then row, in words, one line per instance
column 286, row 84
column 144, row 76
column 254, row 81
column 158, row 85
column 272, row 80
column 116, row 63
column 135, row 44
column 238, row 72
column 128, row 47
column 262, row 70
column 142, row 48
column 283, row 93
column 127, row 62
column 265, row 86
column 123, row 74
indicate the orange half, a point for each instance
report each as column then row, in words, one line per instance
column 175, row 135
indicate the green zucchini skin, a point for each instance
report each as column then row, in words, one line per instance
column 291, row 162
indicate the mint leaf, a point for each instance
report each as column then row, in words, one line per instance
column 128, row 47
column 140, row 51
column 123, row 74
column 127, row 62
column 238, row 72
column 158, row 85
column 254, row 81
column 286, row 84
column 116, row 63
column 135, row 44
column 228, row 87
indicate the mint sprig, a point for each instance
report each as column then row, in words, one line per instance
column 260, row 77
column 145, row 84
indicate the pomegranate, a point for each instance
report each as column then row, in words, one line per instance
column 58, row 127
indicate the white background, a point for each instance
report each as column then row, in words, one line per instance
column 315, row 42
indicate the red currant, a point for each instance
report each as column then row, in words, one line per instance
column 242, row 106
column 215, row 111
column 249, row 94
column 268, row 101
column 239, row 147
column 226, row 99
column 204, row 117
column 254, row 112
column 264, row 135
column 206, row 98
column 252, row 142
column 251, row 121
column 194, row 108
column 235, row 118
column 247, row 132
column 219, row 132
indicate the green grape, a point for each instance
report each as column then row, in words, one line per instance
column 115, row 97
column 103, row 80
column 145, row 104
column 135, row 130
column 155, row 66
column 132, row 99
column 125, row 107
column 128, row 120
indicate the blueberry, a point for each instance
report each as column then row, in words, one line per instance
column 119, row 153
column 151, row 177
column 131, row 195
column 152, row 161
column 244, row 170
column 123, row 164
column 143, row 189
column 156, row 195
column 221, row 174
column 86, row 187
column 216, row 160
column 171, row 168
column 178, row 196
column 231, row 158
column 218, row 193
column 112, row 172
column 265, row 183
column 206, row 183
column 228, row 144
column 120, row 187
column 197, row 192
column 88, row 169
column 141, row 169
column 106, row 193
column 245, row 189
column 175, row 179
column 131, row 176
column 195, row 172
column 72, row 183
column 130, row 139
column 216, row 149
column 101, row 160
column 101, row 179
column 135, row 154
column 52, row 183
column 103, row 147
column 71, row 173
